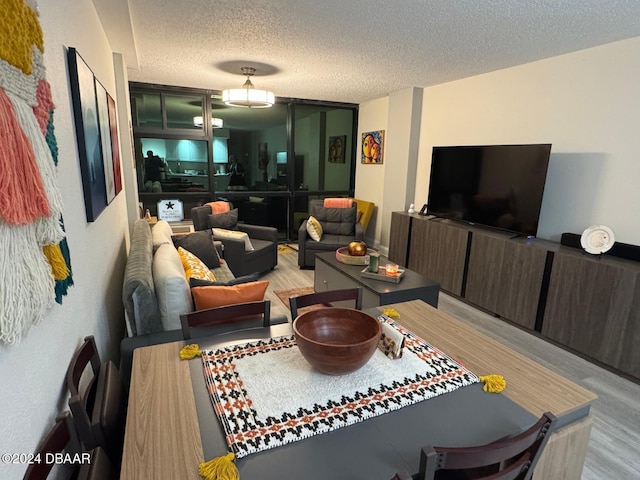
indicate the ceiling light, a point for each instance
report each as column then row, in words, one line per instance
column 248, row 95
column 215, row 122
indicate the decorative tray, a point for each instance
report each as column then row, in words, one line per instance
column 342, row 255
column 382, row 275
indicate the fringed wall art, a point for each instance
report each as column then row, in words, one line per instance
column 35, row 266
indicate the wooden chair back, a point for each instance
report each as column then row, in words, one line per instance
column 62, row 439
column 325, row 298
column 99, row 410
column 510, row 458
column 224, row 315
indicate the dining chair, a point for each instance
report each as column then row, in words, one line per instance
column 97, row 401
column 60, row 439
column 325, row 298
column 509, row 458
column 229, row 314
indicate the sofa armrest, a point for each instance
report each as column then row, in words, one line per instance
column 219, row 247
column 260, row 232
column 234, row 253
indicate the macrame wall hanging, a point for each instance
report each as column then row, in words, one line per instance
column 35, row 266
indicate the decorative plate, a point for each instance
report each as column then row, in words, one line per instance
column 597, row 239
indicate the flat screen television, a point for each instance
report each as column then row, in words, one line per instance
column 499, row 186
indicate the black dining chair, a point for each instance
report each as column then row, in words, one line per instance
column 62, row 439
column 325, row 298
column 510, row 458
column 99, row 407
column 241, row 314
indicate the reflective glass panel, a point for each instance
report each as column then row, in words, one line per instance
column 184, row 112
column 145, row 110
column 168, row 165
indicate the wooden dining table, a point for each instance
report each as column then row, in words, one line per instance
column 172, row 428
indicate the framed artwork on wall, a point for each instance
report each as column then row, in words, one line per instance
column 373, row 147
column 115, row 144
column 105, row 141
column 337, row 149
column 85, row 112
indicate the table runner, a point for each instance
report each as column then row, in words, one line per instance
column 265, row 394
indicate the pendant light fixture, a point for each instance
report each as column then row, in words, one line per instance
column 215, row 122
column 248, row 96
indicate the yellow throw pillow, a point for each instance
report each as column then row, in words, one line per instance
column 314, row 229
column 194, row 267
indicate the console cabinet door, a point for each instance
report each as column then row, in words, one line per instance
column 593, row 306
column 505, row 277
column 399, row 238
column 438, row 251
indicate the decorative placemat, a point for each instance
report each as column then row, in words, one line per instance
column 265, row 394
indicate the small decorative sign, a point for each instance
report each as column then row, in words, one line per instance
column 170, row 210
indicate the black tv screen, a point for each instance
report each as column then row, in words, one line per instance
column 499, row 186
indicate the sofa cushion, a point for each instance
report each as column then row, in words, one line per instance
column 219, row 296
column 161, row 233
column 252, row 277
column 194, row 267
column 228, row 220
column 201, row 245
column 221, row 233
column 172, row 288
column 141, row 314
column 337, row 221
column 314, row 228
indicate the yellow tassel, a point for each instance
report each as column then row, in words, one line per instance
column 190, row 351
column 493, row 383
column 391, row 313
column 220, row 468
column 56, row 260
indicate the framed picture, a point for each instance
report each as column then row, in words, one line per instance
column 373, row 147
column 337, row 146
column 115, row 144
column 85, row 112
column 105, row 141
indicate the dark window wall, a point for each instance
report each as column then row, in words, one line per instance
column 268, row 162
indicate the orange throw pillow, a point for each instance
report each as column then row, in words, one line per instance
column 220, row 296
column 219, row 207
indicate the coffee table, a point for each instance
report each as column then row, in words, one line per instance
column 330, row 274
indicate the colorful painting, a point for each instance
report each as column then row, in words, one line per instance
column 373, row 147
column 337, row 148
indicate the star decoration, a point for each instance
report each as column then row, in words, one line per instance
column 169, row 205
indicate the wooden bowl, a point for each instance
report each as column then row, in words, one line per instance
column 335, row 340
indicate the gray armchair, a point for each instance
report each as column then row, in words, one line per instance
column 242, row 262
column 339, row 228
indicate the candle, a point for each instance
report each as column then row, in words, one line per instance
column 391, row 269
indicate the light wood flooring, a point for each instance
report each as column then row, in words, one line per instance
column 614, row 448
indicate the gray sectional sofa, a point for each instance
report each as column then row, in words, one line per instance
column 156, row 290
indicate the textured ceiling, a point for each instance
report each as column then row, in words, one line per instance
column 351, row 51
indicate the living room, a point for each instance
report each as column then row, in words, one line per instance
column 584, row 103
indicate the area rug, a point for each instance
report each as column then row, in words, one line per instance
column 284, row 249
column 266, row 395
column 284, row 295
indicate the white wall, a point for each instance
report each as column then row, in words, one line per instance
column 32, row 374
column 372, row 116
column 585, row 103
